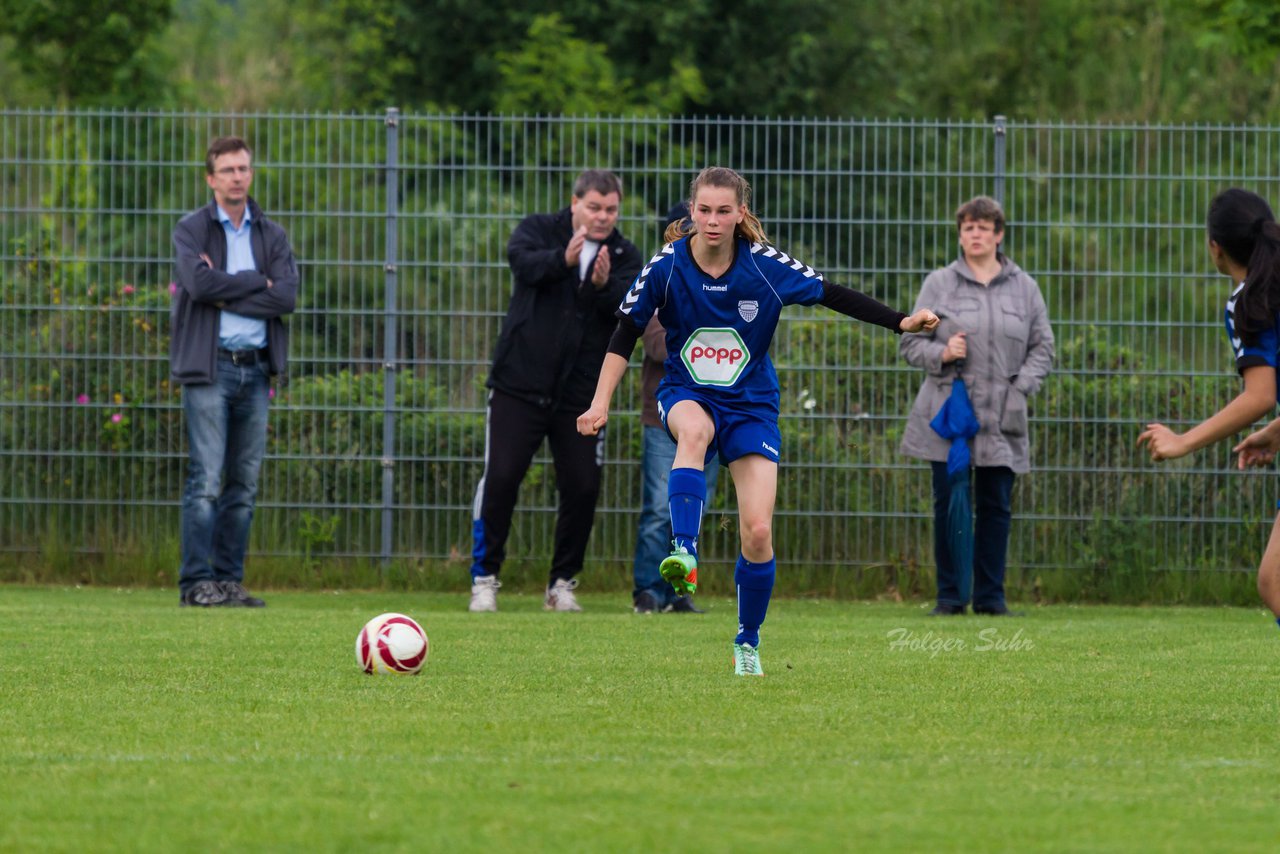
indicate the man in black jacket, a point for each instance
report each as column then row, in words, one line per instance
column 236, row 278
column 571, row 271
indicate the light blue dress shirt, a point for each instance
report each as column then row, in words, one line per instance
column 235, row 331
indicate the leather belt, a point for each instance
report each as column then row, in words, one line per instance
column 243, row 357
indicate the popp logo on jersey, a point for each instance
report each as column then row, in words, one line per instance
column 715, row 356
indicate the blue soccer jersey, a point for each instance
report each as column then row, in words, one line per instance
column 1262, row 351
column 719, row 329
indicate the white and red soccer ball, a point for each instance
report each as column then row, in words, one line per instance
column 392, row 643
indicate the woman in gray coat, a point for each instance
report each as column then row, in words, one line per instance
column 993, row 322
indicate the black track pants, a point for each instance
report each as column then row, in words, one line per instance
column 514, row 430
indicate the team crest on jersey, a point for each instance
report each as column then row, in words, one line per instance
column 715, row 356
column 748, row 309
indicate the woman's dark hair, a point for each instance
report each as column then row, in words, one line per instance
column 981, row 209
column 1242, row 224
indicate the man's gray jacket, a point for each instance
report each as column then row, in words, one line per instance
column 204, row 290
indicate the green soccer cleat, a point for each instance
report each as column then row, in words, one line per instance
column 746, row 660
column 680, row 569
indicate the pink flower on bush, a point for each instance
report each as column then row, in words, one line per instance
column 173, row 288
column 271, row 393
column 127, row 289
column 82, row 399
column 116, row 418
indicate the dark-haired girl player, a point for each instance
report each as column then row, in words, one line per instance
column 1244, row 243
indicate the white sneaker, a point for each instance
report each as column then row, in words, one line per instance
column 746, row 660
column 484, row 593
column 560, row 596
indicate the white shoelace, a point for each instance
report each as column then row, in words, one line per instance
column 484, row 593
column 562, row 594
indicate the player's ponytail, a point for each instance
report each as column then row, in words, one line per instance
column 1264, row 274
column 1243, row 226
column 751, row 228
column 677, row 229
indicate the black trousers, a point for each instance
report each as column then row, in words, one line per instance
column 992, row 490
column 514, row 430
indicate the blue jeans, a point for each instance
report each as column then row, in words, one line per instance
column 227, row 435
column 653, row 539
column 993, row 495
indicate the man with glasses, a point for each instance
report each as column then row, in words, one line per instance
column 236, row 279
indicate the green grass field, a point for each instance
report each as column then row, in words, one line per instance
column 128, row 724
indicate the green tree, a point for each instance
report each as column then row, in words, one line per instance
column 1089, row 60
column 707, row 55
column 1086, row 60
column 1246, row 33
column 83, row 55
column 1247, row 29
column 233, row 56
column 751, row 56
column 556, row 72
column 356, row 58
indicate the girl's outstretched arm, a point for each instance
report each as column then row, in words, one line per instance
column 1257, row 399
column 859, row 306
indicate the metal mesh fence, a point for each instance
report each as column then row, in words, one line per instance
column 377, row 432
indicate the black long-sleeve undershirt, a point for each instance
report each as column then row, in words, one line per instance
column 859, row 306
column 624, row 338
column 847, row 301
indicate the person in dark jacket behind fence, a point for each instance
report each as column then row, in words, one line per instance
column 236, row 278
column 571, row 270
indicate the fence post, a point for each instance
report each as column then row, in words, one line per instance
column 390, row 346
column 1000, row 131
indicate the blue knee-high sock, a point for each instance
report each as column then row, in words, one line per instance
column 687, row 494
column 755, row 586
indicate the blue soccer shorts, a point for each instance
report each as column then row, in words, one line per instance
column 738, row 433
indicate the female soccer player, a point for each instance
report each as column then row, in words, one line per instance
column 719, row 288
column 1244, row 243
